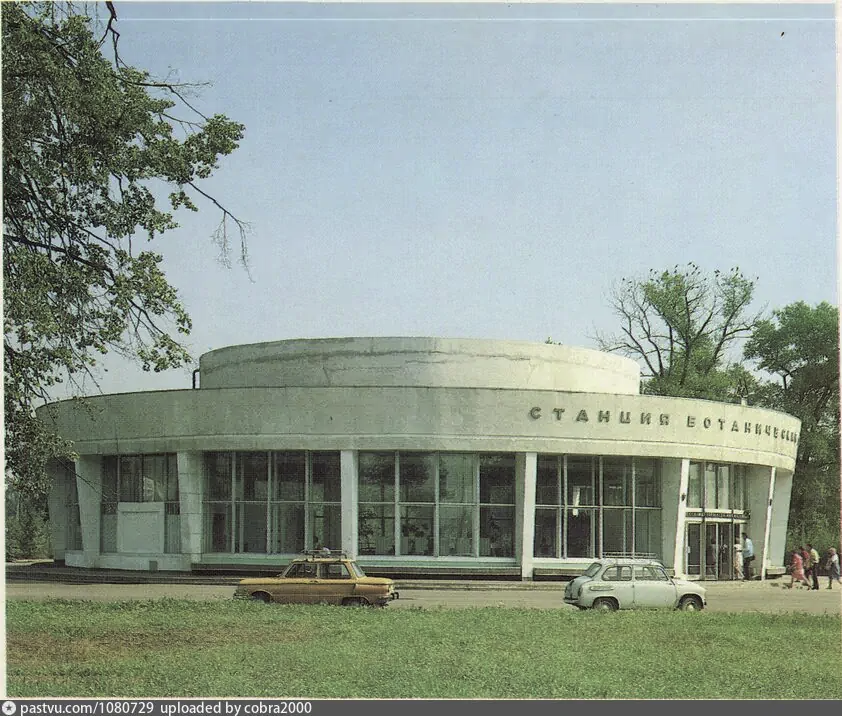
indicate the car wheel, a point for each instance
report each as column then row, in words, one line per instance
column 355, row 602
column 690, row 604
column 604, row 604
column 261, row 597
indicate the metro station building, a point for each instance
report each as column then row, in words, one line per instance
column 422, row 456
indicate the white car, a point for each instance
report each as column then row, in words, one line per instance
column 611, row 584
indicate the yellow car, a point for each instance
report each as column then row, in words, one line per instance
column 320, row 577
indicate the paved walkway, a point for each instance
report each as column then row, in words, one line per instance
column 769, row 596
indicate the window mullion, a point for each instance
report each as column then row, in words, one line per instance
column 476, row 508
column 308, row 477
column 232, row 541
column 396, row 507
column 564, row 506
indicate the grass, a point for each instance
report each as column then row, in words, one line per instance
column 180, row 648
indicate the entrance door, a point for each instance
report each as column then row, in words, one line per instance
column 692, row 547
column 725, row 555
column 711, row 550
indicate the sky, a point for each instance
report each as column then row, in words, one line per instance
column 492, row 171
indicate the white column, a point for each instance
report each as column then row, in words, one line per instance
column 190, row 486
column 350, row 502
column 526, row 470
column 681, row 519
column 89, row 488
column 768, row 529
column 780, row 518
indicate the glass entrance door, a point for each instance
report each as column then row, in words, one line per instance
column 710, row 550
column 692, row 549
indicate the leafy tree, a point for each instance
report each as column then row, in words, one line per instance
column 90, row 145
column 799, row 347
column 680, row 325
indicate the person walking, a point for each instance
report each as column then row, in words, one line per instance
column 796, row 569
column 816, row 560
column 748, row 556
column 738, row 560
column 832, row 568
column 807, row 560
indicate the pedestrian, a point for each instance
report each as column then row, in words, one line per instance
column 807, row 560
column 796, row 569
column 738, row 560
column 832, row 567
column 816, row 560
column 748, row 556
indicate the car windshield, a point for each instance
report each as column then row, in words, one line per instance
column 593, row 569
column 357, row 569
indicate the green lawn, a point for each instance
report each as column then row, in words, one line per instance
column 181, row 648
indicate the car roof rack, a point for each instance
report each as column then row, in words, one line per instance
column 324, row 552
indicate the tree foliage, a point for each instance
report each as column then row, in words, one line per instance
column 680, row 325
column 799, row 348
column 90, row 145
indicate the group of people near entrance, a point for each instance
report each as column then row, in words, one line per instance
column 804, row 566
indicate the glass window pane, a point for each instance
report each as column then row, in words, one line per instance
column 497, row 479
column 416, row 529
column 325, row 521
column 326, row 485
column 252, row 476
column 376, row 530
column 547, row 480
column 646, row 483
column 109, row 479
column 217, row 526
column 647, row 532
column 252, row 527
column 287, row 527
column 417, row 477
column 218, row 475
column 616, row 481
column 580, row 481
column 289, row 476
column 172, row 528
column 335, row 571
column 739, row 487
column 710, row 486
column 616, row 532
column 456, row 530
column 154, row 478
column 107, row 527
column 131, row 474
column 497, row 532
column 456, row 478
column 580, row 533
column 377, row 477
column 172, row 478
column 546, row 533
column 694, row 485
column 723, row 486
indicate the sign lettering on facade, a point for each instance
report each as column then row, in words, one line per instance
column 694, row 422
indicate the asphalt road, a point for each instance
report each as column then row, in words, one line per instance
column 768, row 597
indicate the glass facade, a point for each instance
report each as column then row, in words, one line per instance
column 140, row 478
column 416, row 504
column 271, row 502
column 588, row 506
column 436, row 504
